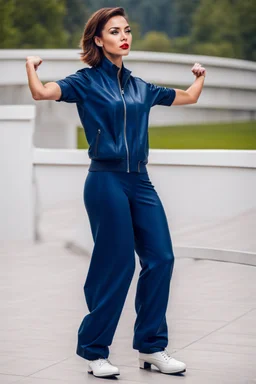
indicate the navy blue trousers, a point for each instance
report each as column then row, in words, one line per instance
column 126, row 215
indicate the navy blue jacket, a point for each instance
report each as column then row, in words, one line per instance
column 114, row 114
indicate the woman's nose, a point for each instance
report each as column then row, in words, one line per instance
column 124, row 36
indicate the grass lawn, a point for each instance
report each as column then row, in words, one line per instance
column 241, row 135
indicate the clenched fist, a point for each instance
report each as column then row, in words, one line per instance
column 35, row 60
column 198, row 70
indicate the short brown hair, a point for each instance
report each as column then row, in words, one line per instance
column 92, row 54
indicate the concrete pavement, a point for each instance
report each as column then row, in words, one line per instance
column 211, row 317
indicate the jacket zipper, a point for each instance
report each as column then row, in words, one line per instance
column 96, row 144
column 125, row 139
column 139, row 166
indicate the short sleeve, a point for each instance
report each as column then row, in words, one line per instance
column 161, row 95
column 73, row 87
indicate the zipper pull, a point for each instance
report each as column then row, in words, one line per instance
column 98, row 130
column 122, row 91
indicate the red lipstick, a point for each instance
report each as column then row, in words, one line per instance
column 124, row 46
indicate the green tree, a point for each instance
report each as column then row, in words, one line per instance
column 136, row 33
column 212, row 27
column 181, row 44
column 183, row 20
column 8, row 31
column 34, row 24
column 216, row 29
column 74, row 21
column 221, row 49
column 154, row 41
column 246, row 11
column 152, row 15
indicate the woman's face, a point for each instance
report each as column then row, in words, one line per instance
column 116, row 33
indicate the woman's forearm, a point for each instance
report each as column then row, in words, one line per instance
column 35, row 85
column 196, row 88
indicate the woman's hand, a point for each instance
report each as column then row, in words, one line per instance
column 35, row 60
column 198, row 70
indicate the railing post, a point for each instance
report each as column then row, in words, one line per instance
column 16, row 173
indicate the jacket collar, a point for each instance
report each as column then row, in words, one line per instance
column 113, row 69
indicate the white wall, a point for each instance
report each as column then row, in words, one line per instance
column 16, row 174
column 228, row 95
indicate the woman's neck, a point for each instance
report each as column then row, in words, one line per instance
column 115, row 59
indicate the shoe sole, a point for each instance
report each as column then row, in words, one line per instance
column 112, row 374
column 148, row 366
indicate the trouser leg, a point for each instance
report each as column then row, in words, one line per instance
column 112, row 263
column 154, row 248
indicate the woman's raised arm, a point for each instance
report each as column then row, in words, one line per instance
column 48, row 91
column 191, row 95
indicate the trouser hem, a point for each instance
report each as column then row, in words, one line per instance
column 151, row 350
column 87, row 355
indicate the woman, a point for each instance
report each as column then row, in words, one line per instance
column 124, row 210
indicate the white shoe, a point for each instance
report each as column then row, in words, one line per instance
column 102, row 368
column 163, row 361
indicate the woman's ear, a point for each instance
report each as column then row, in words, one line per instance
column 97, row 41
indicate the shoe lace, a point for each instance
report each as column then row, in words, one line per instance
column 103, row 361
column 166, row 355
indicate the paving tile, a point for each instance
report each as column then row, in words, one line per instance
column 24, row 366
column 191, row 376
column 187, row 326
column 237, row 339
column 245, row 324
column 217, row 347
column 7, row 379
column 57, row 372
column 234, row 365
column 129, row 376
column 34, row 348
column 82, row 380
column 217, row 311
column 34, row 380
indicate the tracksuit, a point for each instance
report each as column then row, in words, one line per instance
column 123, row 207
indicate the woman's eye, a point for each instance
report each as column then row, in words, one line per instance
column 114, row 32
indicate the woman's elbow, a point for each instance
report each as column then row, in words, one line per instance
column 194, row 100
column 36, row 97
